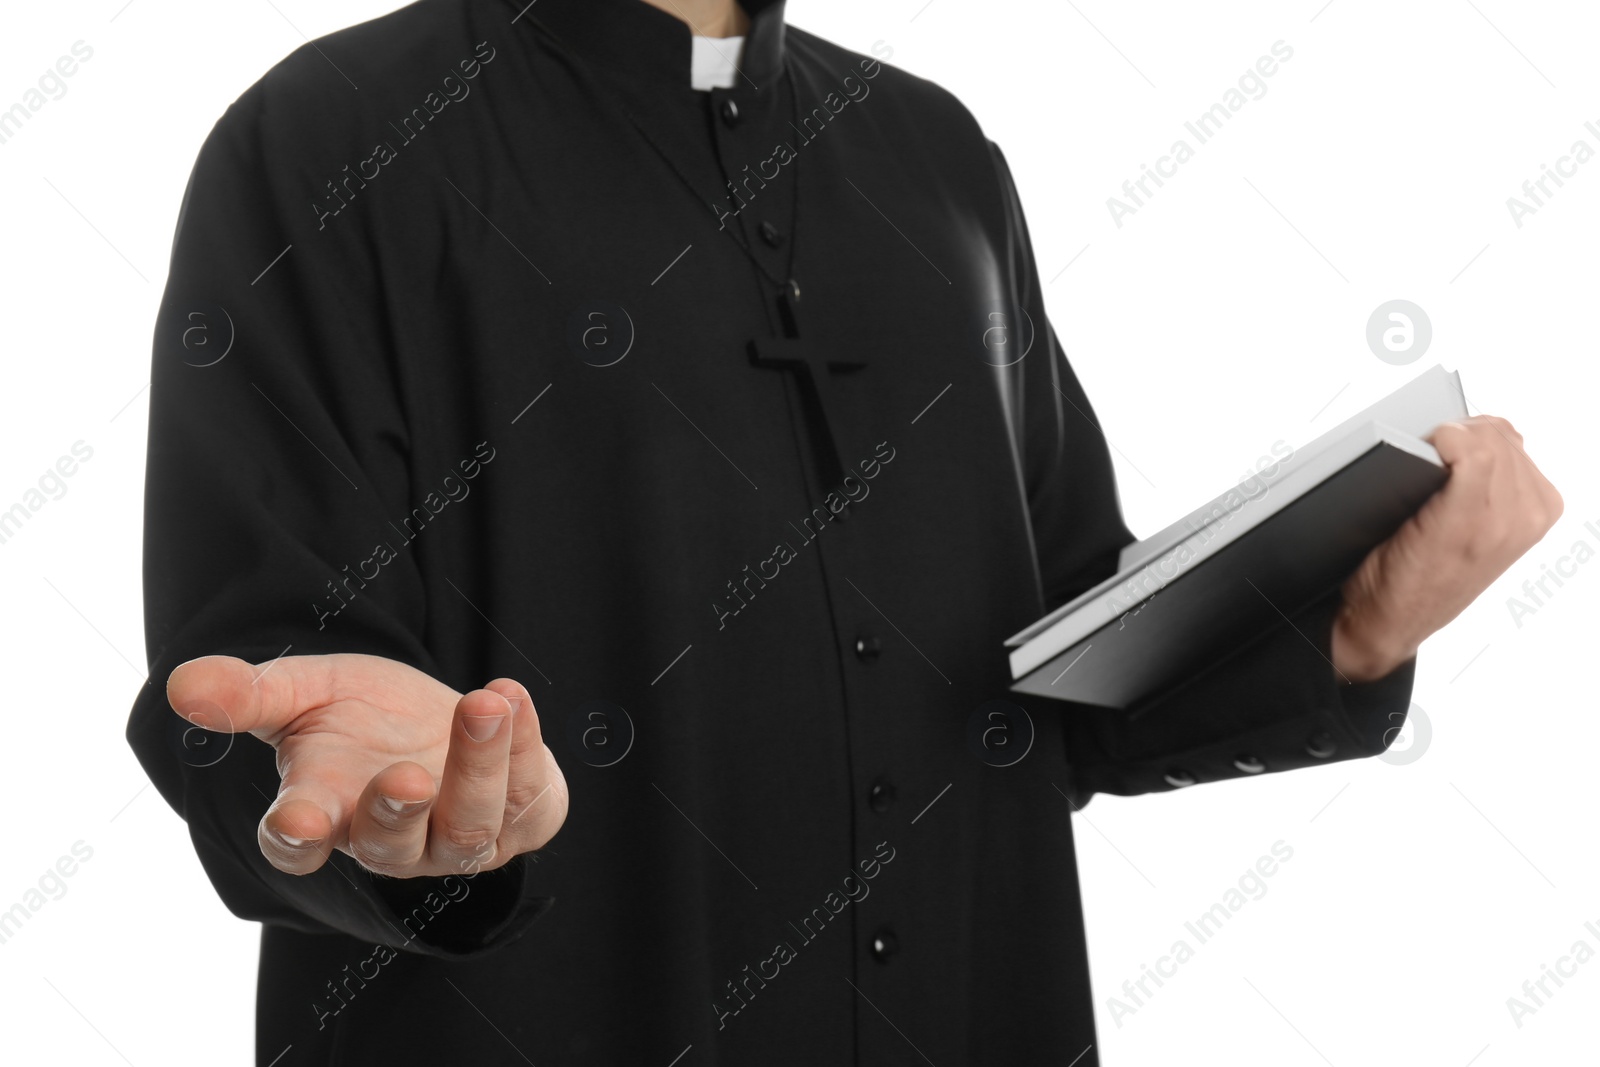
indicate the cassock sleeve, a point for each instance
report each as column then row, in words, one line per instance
column 279, row 455
column 1275, row 705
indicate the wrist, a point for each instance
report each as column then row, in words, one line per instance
column 1363, row 651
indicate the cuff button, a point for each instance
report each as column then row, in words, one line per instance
column 1321, row 745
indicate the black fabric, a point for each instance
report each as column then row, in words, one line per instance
column 362, row 471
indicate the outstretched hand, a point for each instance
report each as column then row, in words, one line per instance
column 384, row 763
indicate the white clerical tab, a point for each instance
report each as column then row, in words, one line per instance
column 715, row 62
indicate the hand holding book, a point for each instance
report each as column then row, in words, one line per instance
column 1407, row 510
column 1495, row 507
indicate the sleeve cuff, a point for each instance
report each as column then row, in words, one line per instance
column 460, row 916
column 1373, row 712
column 1276, row 705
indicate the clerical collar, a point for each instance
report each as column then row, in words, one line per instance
column 715, row 63
column 640, row 42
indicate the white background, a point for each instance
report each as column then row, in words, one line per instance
column 1227, row 313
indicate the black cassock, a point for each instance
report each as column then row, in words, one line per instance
column 475, row 355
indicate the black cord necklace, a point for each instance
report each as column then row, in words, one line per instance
column 786, row 350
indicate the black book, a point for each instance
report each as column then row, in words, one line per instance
column 1228, row 572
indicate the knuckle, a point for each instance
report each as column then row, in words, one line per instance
column 380, row 857
column 480, row 771
column 528, row 807
column 536, row 817
column 468, row 840
column 1536, row 520
column 483, row 857
column 479, row 778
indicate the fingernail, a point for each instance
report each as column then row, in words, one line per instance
column 482, row 727
column 294, row 842
column 402, row 807
column 516, row 704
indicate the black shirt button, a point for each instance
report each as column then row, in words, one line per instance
column 1321, row 744
column 867, row 648
column 1249, row 765
column 730, row 112
column 770, row 234
column 884, row 945
column 881, row 796
column 1178, row 779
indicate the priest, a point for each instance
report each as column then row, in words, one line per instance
column 597, row 451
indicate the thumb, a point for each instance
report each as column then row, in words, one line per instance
column 226, row 694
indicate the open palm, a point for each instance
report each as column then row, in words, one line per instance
column 383, row 762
